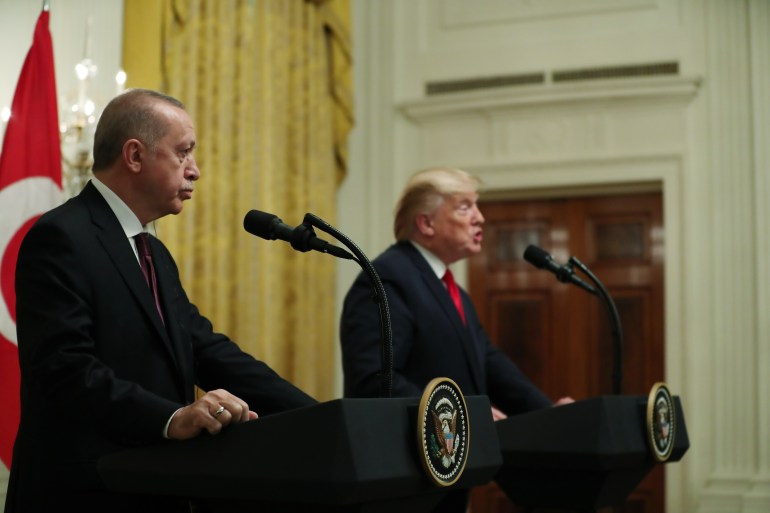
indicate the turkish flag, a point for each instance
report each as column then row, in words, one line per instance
column 30, row 184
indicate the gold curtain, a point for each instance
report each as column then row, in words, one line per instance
column 267, row 84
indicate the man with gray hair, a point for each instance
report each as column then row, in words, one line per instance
column 110, row 346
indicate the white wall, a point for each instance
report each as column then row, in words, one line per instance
column 67, row 26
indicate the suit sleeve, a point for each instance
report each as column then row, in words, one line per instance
column 508, row 387
column 220, row 363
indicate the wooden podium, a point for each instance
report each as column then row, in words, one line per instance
column 346, row 455
column 581, row 456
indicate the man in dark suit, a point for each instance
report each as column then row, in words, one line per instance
column 104, row 365
column 437, row 223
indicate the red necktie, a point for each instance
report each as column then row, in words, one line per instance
column 145, row 260
column 454, row 293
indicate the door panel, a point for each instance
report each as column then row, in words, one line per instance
column 558, row 334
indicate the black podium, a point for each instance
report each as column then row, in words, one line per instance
column 342, row 455
column 581, row 456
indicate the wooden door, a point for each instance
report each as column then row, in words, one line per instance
column 558, row 334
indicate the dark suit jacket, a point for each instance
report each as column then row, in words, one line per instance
column 429, row 338
column 99, row 370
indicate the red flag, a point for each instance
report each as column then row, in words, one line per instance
column 30, row 184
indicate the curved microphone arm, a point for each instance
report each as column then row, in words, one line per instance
column 386, row 330
column 617, row 332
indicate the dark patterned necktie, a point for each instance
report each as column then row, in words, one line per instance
column 145, row 260
column 454, row 293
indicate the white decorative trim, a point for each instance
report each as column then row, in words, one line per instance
column 738, row 464
column 759, row 20
column 461, row 13
column 757, row 500
column 660, row 89
column 557, row 127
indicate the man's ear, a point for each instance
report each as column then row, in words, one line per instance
column 424, row 224
column 133, row 151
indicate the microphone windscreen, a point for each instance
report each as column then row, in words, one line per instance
column 260, row 224
column 536, row 256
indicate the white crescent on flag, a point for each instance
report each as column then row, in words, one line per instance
column 19, row 202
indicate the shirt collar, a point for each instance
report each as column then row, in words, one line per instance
column 435, row 263
column 127, row 219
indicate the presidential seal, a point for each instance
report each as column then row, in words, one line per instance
column 443, row 431
column 661, row 422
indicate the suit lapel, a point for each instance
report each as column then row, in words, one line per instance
column 169, row 289
column 118, row 248
column 437, row 288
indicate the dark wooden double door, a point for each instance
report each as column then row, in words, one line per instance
column 558, row 334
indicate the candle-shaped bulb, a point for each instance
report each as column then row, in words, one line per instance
column 120, row 80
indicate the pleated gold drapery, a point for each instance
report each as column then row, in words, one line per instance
column 267, row 84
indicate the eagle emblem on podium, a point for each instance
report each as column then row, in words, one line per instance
column 443, row 431
column 661, row 422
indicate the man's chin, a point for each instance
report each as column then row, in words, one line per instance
column 176, row 208
column 469, row 252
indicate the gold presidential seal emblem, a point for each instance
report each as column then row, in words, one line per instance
column 661, row 422
column 443, row 431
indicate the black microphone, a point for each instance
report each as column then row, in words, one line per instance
column 302, row 238
column 564, row 273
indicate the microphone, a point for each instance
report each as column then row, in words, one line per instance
column 302, row 238
column 564, row 273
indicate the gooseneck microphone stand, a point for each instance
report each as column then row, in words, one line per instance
column 566, row 274
column 386, row 330
column 617, row 332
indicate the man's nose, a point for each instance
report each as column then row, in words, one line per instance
column 479, row 215
column 193, row 172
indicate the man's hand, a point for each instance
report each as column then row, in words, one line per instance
column 563, row 401
column 498, row 415
column 211, row 412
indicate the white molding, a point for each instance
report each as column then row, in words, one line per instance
column 546, row 126
column 460, row 13
column 738, row 465
column 660, row 89
column 759, row 16
column 738, row 404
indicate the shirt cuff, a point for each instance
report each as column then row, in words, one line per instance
column 168, row 423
